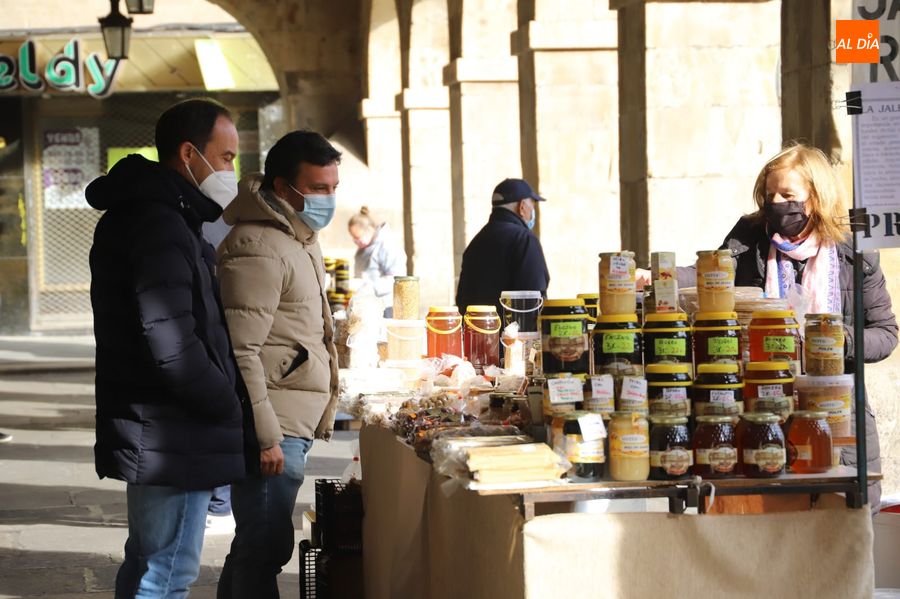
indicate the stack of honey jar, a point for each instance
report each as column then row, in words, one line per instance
column 717, row 409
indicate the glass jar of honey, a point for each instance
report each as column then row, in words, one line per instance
column 587, row 457
column 775, row 336
column 717, row 338
column 762, row 446
column 667, row 339
column 617, row 283
column 671, row 455
column 810, row 446
column 718, row 390
column 823, row 347
column 769, row 387
column 617, row 345
column 715, row 452
column 564, row 336
column 629, row 447
column 481, row 337
column 715, row 281
column 444, row 335
column 669, row 389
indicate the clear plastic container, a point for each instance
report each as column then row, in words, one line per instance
column 406, row 339
column 830, row 394
column 444, row 324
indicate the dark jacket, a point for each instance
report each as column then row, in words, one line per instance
column 168, row 391
column 749, row 244
column 504, row 256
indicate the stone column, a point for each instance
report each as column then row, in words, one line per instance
column 699, row 116
column 383, row 152
column 569, row 134
column 484, row 139
column 427, row 214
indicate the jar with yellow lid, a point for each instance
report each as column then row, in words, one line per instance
column 668, row 339
column 717, row 338
column 617, row 283
column 617, row 345
column 671, row 455
column 669, row 389
column 629, row 447
column 823, row 346
column 775, row 336
column 586, row 456
column 718, row 390
column 715, row 281
column 481, row 337
column 769, row 387
column 564, row 336
column 444, row 331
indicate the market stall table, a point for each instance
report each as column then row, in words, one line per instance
column 425, row 536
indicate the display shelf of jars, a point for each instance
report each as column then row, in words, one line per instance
column 687, row 493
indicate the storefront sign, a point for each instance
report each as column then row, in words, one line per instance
column 70, row 159
column 63, row 72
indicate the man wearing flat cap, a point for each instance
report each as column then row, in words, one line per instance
column 505, row 255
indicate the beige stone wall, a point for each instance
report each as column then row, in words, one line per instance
column 47, row 14
column 712, row 118
column 569, row 134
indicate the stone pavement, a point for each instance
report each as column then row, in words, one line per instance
column 61, row 528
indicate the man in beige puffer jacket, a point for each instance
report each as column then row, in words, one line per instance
column 272, row 278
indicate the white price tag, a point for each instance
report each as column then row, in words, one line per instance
column 592, row 427
column 618, row 266
column 675, row 394
column 568, row 390
column 721, row 396
column 770, row 391
column 634, row 388
column 602, row 387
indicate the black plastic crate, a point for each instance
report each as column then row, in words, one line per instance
column 339, row 514
column 308, row 559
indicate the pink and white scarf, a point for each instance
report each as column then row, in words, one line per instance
column 821, row 277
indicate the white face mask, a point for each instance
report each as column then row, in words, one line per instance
column 220, row 186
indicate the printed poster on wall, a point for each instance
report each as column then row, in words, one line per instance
column 70, row 159
column 887, row 13
column 876, row 176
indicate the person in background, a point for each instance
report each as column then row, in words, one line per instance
column 273, row 288
column 379, row 258
column 505, row 255
column 798, row 237
column 169, row 394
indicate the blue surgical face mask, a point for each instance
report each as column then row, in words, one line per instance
column 318, row 209
column 533, row 220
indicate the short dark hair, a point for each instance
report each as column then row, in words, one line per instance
column 296, row 147
column 190, row 120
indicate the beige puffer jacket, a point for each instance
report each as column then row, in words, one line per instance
column 272, row 277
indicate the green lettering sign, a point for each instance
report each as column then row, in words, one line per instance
column 618, row 343
column 779, row 345
column 670, row 347
column 723, row 346
column 64, row 70
column 7, row 72
column 567, row 329
column 102, row 73
column 28, row 72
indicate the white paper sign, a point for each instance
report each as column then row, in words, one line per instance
column 888, row 68
column 568, row 390
column 634, row 388
column 70, row 159
column 592, row 427
column 876, row 154
column 602, row 387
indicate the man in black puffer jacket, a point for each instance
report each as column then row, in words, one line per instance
column 169, row 394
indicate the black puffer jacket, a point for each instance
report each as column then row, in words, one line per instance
column 167, row 385
column 504, row 256
column 749, row 244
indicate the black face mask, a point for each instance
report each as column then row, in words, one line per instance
column 788, row 219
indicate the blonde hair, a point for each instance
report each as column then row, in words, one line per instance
column 363, row 219
column 828, row 213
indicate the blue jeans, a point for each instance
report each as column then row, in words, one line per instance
column 165, row 537
column 264, row 534
column 220, row 504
